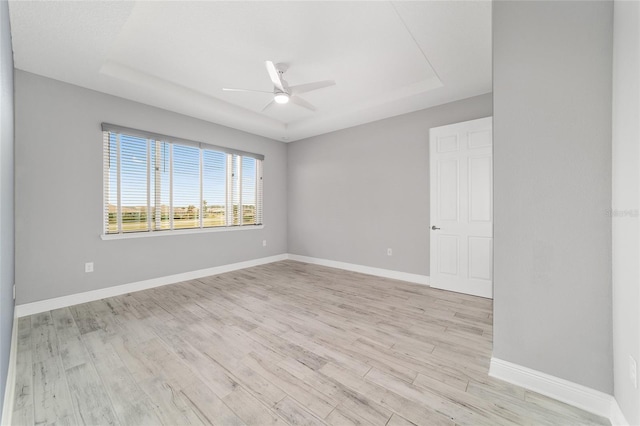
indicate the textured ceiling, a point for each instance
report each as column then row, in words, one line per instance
column 387, row 58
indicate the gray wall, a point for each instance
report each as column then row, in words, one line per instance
column 6, row 199
column 356, row 192
column 58, row 169
column 552, row 174
column 626, row 198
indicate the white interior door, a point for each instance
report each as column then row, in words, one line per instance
column 461, row 246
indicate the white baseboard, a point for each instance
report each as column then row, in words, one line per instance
column 26, row 309
column 616, row 417
column 580, row 396
column 10, row 385
column 386, row 273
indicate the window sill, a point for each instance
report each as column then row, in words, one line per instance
column 146, row 234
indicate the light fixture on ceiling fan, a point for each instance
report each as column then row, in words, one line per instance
column 281, row 98
column 282, row 93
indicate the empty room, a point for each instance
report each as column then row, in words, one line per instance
column 386, row 213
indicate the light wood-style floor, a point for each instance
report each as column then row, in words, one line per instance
column 284, row 343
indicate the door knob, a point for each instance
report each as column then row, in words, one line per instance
column 434, row 227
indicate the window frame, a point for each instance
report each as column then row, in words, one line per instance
column 232, row 156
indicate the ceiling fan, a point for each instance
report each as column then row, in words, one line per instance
column 282, row 93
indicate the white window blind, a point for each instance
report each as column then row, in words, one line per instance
column 160, row 183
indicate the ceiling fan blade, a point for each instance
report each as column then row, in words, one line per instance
column 269, row 105
column 308, row 87
column 274, row 75
column 301, row 102
column 226, row 89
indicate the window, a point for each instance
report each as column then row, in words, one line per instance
column 159, row 183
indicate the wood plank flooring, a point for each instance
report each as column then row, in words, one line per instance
column 283, row 343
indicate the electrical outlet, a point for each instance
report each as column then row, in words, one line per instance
column 389, row 252
column 633, row 372
column 88, row 267
column 264, row 243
